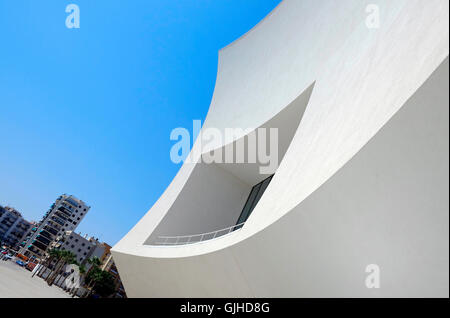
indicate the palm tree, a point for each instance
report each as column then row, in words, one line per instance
column 55, row 268
column 100, row 282
column 66, row 256
column 95, row 262
column 42, row 264
column 92, row 273
column 57, row 259
column 104, row 283
column 52, row 255
column 69, row 258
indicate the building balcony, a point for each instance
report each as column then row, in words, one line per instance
column 218, row 197
column 57, row 221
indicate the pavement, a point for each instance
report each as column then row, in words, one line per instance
column 16, row 282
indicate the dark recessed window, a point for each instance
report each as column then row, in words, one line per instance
column 253, row 198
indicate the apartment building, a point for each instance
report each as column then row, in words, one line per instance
column 63, row 215
column 83, row 247
column 13, row 227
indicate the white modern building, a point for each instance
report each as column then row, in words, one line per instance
column 358, row 91
column 64, row 215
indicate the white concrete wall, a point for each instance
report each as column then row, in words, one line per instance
column 211, row 200
column 388, row 206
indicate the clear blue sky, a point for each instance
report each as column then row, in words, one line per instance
column 89, row 111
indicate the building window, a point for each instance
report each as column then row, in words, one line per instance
column 253, row 198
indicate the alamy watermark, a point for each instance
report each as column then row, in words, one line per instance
column 258, row 146
column 73, row 279
column 73, row 19
column 373, row 17
column 373, row 279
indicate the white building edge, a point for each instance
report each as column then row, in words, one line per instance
column 363, row 120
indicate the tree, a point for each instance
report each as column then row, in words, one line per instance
column 52, row 255
column 42, row 264
column 66, row 257
column 104, row 285
column 95, row 262
column 101, row 282
column 89, row 277
column 69, row 261
column 55, row 269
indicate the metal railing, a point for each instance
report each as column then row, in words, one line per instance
column 195, row 238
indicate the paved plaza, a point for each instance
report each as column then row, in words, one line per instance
column 16, row 281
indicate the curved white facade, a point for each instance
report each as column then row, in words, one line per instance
column 363, row 119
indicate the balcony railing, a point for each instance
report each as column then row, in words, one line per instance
column 195, row 238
